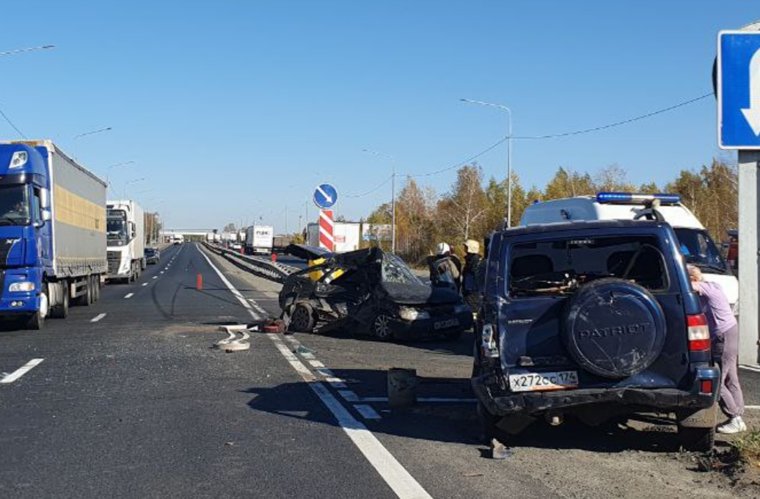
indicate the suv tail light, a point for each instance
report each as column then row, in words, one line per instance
column 699, row 333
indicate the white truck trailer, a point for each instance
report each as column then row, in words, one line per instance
column 259, row 239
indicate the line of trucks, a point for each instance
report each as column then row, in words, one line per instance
column 60, row 238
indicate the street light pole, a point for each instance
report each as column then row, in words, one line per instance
column 93, row 132
column 131, row 182
column 29, row 49
column 393, row 194
column 509, row 151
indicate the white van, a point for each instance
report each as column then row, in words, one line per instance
column 696, row 244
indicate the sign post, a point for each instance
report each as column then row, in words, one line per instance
column 325, row 197
column 738, row 93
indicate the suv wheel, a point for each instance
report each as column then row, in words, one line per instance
column 302, row 319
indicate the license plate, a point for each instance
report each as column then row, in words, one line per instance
column 533, row 382
column 445, row 324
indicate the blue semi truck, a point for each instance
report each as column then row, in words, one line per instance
column 52, row 233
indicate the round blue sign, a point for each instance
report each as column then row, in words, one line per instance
column 325, row 196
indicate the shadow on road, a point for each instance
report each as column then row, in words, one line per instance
column 458, row 423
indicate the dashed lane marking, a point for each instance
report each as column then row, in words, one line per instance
column 10, row 378
column 367, row 411
column 97, row 317
column 145, row 284
column 155, row 277
column 393, row 473
column 128, row 296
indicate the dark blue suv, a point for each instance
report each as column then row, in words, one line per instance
column 595, row 320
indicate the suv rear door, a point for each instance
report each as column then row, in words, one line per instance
column 542, row 272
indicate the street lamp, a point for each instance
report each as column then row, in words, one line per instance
column 117, row 165
column 93, row 132
column 134, row 181
column 393, row 194
column 509, row 152
column 28, row 49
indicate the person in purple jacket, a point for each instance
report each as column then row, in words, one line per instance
column 724, row 332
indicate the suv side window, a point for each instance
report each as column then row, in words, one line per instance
column 561, row 266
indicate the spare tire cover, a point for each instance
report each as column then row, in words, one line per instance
column 614, row 328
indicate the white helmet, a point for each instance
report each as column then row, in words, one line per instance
column 442, row 249
column 472, row 246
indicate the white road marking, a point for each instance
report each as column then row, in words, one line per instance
column 10, row 378
column 161, row 272
column 128, row 296
column 316, row 363
column 155, row 277
column 393, row 472
column 752, row 407
column 349, row 395
column 750, row 368
column 367, row 411
column 97, row 317
column 232, row 288
column 145, row 284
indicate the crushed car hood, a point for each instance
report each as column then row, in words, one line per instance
column 405, row 294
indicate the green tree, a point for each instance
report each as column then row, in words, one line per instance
column 461, row 211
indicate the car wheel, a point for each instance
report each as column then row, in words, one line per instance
column 381, row 327
column 697, row 439
column 302, row 319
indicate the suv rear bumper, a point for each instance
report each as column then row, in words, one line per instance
column 503, row 403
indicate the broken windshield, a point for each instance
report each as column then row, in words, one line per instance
column 395, row 270
column 560, row 266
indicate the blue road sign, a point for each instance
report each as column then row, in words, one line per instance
column 325, row 196
column 739, row 89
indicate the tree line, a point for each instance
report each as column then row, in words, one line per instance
column 473, row 207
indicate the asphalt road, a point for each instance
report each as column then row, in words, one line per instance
column 139, row 404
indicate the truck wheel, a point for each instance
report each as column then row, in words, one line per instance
column 37, row 320
column 96, row 287
column 62, row 311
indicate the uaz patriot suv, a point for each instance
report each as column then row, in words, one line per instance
column 593, row 319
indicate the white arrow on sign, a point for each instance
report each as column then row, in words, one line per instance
column 329, row 198
column 752, row 114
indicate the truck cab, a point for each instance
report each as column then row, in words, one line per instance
column 126, row 241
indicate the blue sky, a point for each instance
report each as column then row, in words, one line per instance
column 235, row 110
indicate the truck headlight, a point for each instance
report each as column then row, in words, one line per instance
column 18, row 287
column 412, row 314
column 18, row 160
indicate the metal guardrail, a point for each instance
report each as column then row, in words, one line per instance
column 256, row 265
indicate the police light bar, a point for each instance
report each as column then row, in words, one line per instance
column 632, row 198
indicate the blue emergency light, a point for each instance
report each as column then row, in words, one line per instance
column 631, row 198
